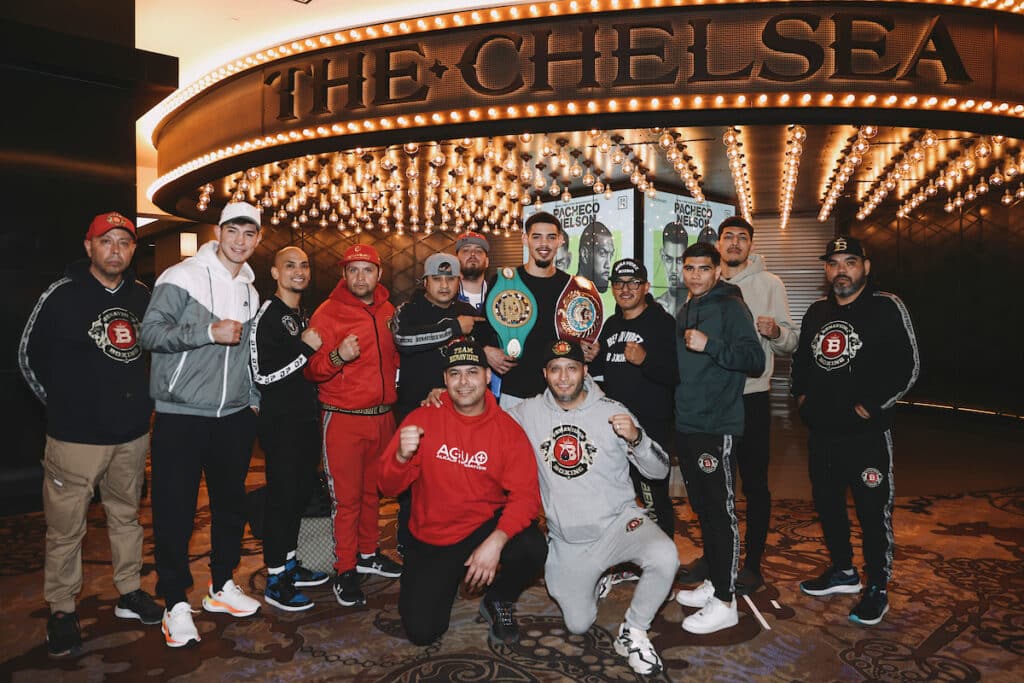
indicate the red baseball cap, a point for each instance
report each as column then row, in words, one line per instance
column 106, row 222
column 360, row 252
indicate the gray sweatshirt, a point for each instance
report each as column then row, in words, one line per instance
column 583, row 467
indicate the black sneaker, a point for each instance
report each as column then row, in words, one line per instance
column 695, row 572
column 280, row 592
column 499, row 615
column 873, row 605
column 302, row 577
column 139, row 605
column 748, row 581
column 347, row 590
column 832, row 581
column 63, row 634
column 379, row 563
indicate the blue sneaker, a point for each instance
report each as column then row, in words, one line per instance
column 281, row 593
column 302, row 577
column 832, row 581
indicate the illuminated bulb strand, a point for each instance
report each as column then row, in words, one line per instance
column 950, row 174
column 796, row 136
column 846, row 167
column 738, row 168
column 900, row 169
column 675, row 152
column 960, row 176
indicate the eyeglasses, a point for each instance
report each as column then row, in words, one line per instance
column 631, row 285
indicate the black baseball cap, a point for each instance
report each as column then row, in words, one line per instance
column 843, row 245
column 464, row 351
column 563, row 348
column 630, row 268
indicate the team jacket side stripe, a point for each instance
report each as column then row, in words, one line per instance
column 909, row 328
column 23, row 362
column 254, row 359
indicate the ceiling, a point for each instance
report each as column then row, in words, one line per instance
column 205, row 34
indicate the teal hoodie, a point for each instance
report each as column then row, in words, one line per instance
column 709, row 397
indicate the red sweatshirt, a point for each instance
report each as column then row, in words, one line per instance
column 369, row 379
column 465, row 469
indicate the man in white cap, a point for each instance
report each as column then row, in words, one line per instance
column 80, row 355
column 205, row 422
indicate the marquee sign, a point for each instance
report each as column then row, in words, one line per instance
column 687, row 60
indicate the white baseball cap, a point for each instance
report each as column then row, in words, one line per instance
column 239, row 211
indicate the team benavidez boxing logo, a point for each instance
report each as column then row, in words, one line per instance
column 835, row 345
column 114, row 334
column 568, row 451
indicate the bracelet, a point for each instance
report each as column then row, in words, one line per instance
column 639, row 437
column 336, row 359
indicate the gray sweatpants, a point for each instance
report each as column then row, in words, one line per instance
column 573, row 569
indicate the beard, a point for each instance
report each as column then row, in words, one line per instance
column 472, row 272
column 542, row 264
column 733, row 262
column 844, row 286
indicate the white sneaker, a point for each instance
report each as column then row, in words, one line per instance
column 178, row 627
column 604, row 585
column 698, row 597
column 634, row 644
column 714, row 616
column 230, row 600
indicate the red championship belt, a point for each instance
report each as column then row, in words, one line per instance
column 579, row 313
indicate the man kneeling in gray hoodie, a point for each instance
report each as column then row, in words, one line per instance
column 584, row 442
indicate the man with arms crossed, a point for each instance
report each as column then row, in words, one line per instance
column 280, row 345
column 205, row 414
column 80, row 355
column 857, row 356
column 584, row 443
column 475, row 499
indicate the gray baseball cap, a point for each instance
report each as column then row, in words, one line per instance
column 441, row 264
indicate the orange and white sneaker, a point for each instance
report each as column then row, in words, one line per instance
column 230, row 600
column 178, row 627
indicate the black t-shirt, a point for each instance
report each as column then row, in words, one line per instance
column 526, row 379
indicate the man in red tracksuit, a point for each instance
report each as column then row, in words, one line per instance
column 474, row 503
column 355, row 369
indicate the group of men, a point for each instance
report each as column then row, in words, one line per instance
column 581, row 431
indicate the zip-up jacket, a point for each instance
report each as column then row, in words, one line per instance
column 647, row 389
column 465, row 470
column 277, row 355
column 369, row 379
column 420, row 330
column 709, row 398
column 765, row 294
column 191, row 374
column 464, row 297
column 864, row 352
column 80, row 355
column 582, row 465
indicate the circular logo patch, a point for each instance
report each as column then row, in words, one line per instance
column 707, row 463
column 114, row 334
column 568, row 451
column 511, row 308
column 835, row 345
column 871, row 477
column 290, row 325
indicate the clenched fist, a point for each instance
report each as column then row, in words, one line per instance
column 312, row 338
column 348, row 349
column 408, row 442
column 226, row 332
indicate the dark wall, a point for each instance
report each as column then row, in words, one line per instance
column 73, row 85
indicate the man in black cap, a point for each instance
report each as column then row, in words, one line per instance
column 637, row 367
column 856, row 357
column 474, row 504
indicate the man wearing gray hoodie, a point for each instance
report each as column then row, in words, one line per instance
column 584, row 443
column 205, row 419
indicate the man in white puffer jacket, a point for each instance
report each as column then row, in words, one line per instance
column 584, row 442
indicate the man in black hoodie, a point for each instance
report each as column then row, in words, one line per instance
column 81, row 357
column 637, row 367
column 856, row 357
column 717, row 348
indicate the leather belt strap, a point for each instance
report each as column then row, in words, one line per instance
column 373, row 410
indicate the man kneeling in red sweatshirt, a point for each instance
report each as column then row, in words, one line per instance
column 475, row 503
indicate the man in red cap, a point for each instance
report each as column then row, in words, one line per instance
column 355, row 369
column 81, row 357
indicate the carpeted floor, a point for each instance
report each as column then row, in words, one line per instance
column 957, row 615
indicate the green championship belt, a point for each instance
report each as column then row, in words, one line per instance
column 511, row 310
column 579, row 313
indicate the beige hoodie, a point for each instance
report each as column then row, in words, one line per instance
column 765, row 294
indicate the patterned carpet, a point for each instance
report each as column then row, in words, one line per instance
column 957, row 615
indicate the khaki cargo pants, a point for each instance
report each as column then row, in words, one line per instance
column 72, row 471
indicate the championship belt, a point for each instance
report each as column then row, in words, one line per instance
column 579, row 313
column 511, row 310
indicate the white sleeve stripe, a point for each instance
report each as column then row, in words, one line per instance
column 23, row 362
column 254, row 361
column 909, row 328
